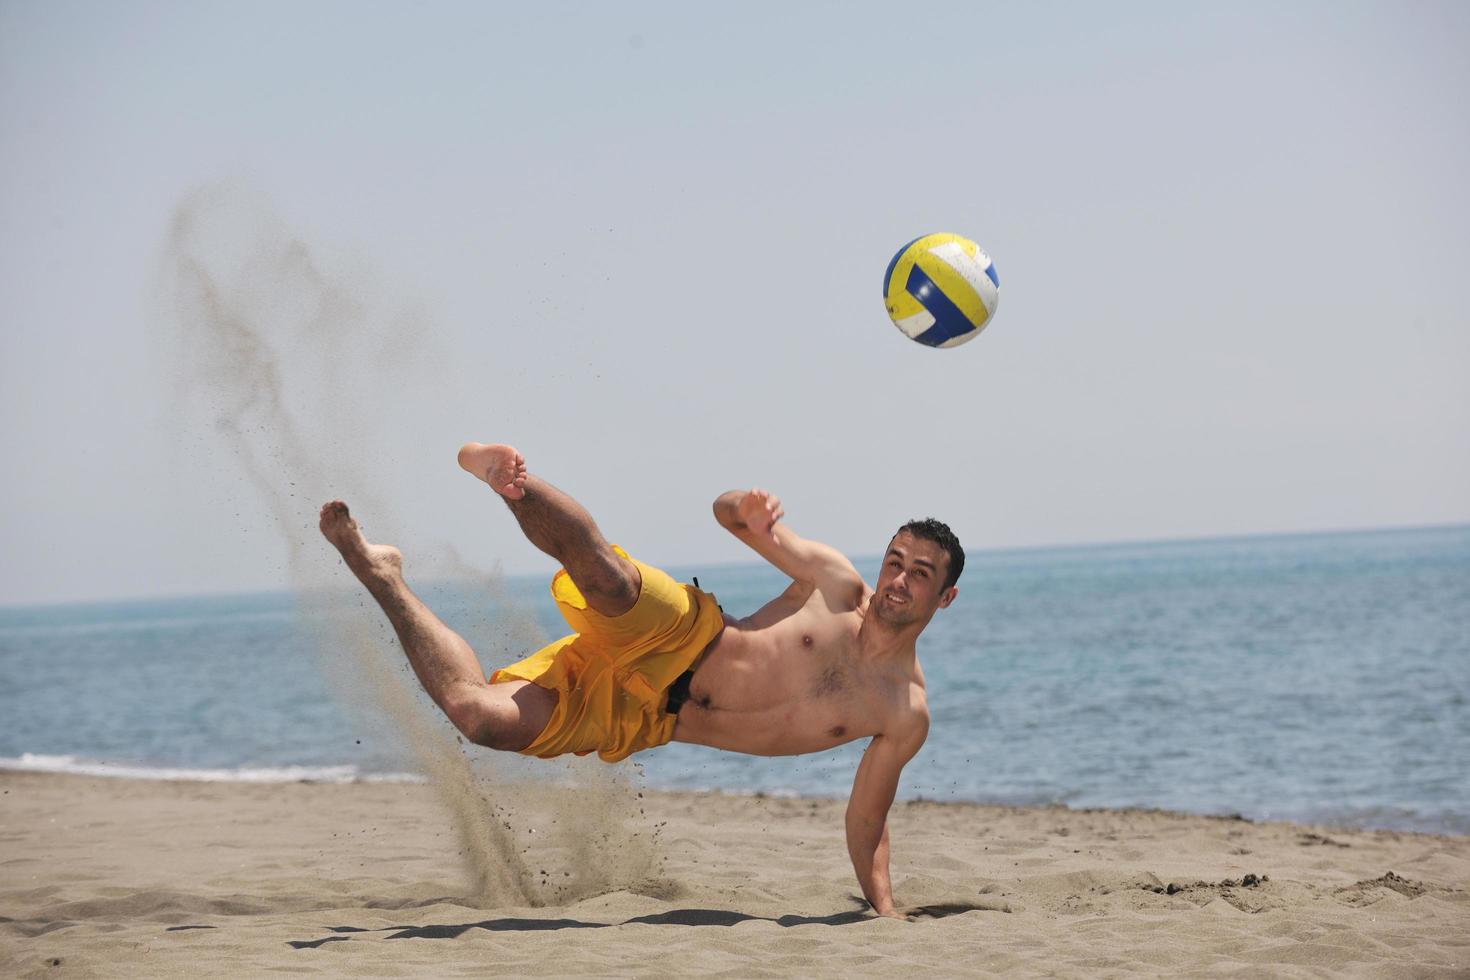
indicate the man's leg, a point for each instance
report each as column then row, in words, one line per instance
column 501, row 716
column 559, row 526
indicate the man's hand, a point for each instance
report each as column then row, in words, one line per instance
column 752, row 516
column 759, row 510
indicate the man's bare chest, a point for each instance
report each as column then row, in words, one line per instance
column 805, row 656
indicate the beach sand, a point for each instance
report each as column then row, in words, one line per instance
column 118, row 877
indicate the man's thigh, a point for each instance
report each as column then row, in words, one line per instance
column 609, row 582
column 518, row 712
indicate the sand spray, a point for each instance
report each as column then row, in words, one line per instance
column 291, row 362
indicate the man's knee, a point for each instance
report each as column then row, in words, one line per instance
column 609, row 582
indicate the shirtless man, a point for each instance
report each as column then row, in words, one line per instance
column 826, row 662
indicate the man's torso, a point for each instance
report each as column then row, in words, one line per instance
column 789, row 680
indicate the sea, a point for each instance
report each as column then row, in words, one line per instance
column 1321, row 678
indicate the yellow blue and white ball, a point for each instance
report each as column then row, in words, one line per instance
column 941, row 290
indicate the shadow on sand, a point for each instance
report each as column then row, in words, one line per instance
column 675, row 917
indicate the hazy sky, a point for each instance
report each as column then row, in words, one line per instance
column 645, row 243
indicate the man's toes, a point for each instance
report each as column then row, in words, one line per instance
column 335, row 517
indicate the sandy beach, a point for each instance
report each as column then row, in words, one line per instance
column 118, row 877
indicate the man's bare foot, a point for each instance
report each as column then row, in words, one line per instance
column 498, row 465
column 369, row 562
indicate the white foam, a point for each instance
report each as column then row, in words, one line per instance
column 29, row 762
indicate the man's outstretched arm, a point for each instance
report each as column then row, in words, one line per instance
column 867, row 810
column 753, row 516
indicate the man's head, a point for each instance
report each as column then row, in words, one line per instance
column 920, row 568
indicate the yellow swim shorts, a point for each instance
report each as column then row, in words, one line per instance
column 612, row 675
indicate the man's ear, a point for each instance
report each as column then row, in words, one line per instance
column 948, row 596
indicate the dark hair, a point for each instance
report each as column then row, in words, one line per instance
column 937, row 531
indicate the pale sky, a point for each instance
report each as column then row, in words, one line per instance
column 645, row 243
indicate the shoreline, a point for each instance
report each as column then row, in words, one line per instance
column 128, row 876
column 347, row 774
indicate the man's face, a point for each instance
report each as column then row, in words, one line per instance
column 911, row 582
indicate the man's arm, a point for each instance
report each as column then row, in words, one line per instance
column 752, row 516
column 867, row 809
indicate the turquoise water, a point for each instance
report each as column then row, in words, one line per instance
column 1318, row 677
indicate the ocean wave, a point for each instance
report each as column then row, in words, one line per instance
column 70, row 764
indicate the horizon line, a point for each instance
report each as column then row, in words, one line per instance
column 6, row 606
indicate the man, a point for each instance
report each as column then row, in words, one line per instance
column 826, row 662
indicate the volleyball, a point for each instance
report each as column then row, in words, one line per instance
column 941, row 290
